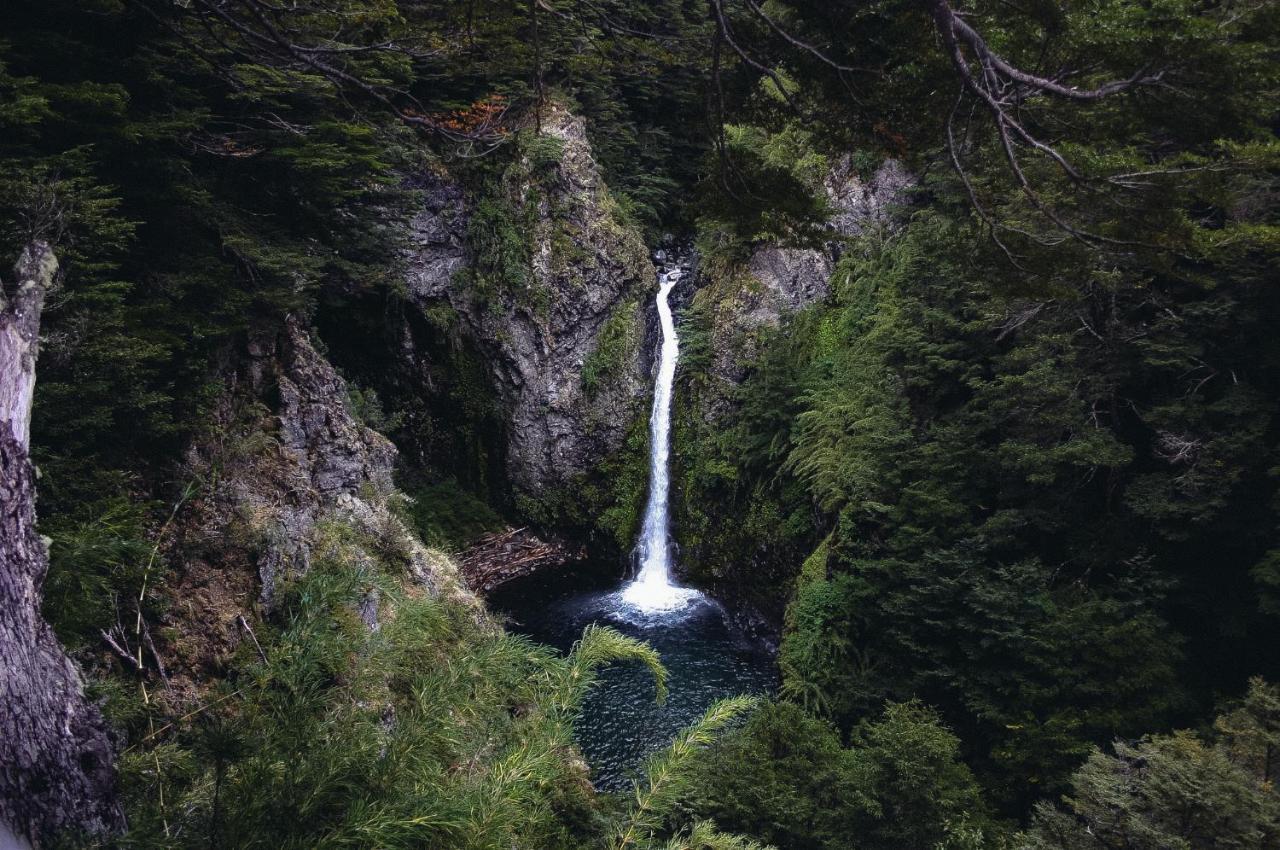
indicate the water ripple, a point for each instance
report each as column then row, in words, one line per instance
column 622, row 723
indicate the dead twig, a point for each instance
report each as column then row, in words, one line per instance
column 244, row 624
column 120, row 649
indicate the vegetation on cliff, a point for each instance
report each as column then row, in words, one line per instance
column 1005, row 482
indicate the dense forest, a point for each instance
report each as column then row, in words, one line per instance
column 976, row 419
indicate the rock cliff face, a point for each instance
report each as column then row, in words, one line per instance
column 780, row 281
column 563, row 345
column 292, row 475
column 323, row 458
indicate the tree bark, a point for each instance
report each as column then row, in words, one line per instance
column 57, row 774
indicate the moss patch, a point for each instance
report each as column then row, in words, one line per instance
column 617, row 345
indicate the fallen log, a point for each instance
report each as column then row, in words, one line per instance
column 502, row 556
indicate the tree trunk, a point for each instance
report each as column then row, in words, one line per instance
column 56, row 763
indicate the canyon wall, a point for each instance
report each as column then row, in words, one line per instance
column 562, row 343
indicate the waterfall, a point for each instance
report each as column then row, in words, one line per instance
column 652, row 589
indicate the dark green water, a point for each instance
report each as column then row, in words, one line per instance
column 621, row 723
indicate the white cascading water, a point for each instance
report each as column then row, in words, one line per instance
column 652, row 590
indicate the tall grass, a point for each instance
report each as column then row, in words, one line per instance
column 431, row 730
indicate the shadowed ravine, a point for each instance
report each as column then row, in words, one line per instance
column 705, row 657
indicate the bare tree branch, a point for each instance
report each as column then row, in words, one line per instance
column 1002, row 88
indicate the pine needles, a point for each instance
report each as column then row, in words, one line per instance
column 599, row 646
column 664, row 773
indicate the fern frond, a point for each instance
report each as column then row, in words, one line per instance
column 703, row 835
column 599, row 646
column 663, row 773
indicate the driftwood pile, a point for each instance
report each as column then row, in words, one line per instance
column 501, row 556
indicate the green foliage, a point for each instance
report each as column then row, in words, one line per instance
column 543, row 152
column 616, row 346
column 1033, row 667
column 499, row 235
column 667, row 776
column 97, row 563
column 734, row 459
column 923, row 793
column 189, row 194
column 1034, row 480
column 785, row 778
column 703, row 835
column 1021, row 494
column 771, row 191
column 433, row 728
column 792, row 148
column 623, row 481
column 1249, row 733
column 446, row 516
column 897, row 93
column 1176, row 791
column 366, row 406
column 598, row 646
column 341, row 735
